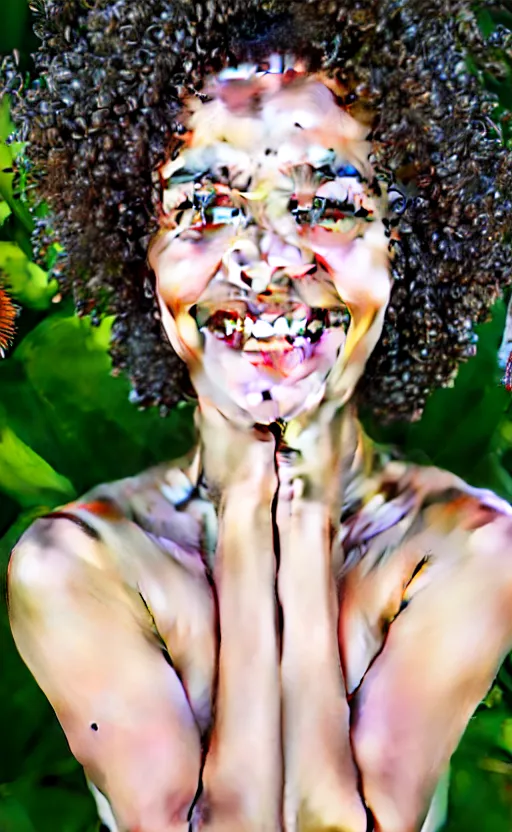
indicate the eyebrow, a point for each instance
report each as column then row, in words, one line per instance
column 185, row 175
column 328, row 171
column 221, row 177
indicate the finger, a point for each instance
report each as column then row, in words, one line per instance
column 439, row 659
column 86, row 636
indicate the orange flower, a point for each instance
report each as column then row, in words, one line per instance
column 7, row 318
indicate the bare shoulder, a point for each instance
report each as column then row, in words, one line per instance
column 166, row 502
column 167, row 486
column 398, row 499
column 446, row 499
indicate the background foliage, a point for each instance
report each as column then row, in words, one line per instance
column 67, row 424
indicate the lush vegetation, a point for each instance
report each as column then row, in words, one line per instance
column 66, row 424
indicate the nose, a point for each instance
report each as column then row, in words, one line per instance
column 260, row 263
column 262, row 277
column 258, row 276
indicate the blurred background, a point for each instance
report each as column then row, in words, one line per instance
column 67, row 424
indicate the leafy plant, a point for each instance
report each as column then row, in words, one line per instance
column 67, row 424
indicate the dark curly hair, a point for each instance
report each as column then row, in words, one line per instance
column 104, row 112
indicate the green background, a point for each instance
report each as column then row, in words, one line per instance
column 66, row 424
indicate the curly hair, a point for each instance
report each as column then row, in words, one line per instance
column 104, row 112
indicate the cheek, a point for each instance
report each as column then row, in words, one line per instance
column 359, row 268
column 184, row 268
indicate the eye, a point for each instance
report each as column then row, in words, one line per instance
column 334, row 215
column 212, row 209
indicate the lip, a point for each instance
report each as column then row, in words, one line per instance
column 280, row 358
column 243, row 324
column 278, row 340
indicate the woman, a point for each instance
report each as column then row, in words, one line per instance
column 286, row 630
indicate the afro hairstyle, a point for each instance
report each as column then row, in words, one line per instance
column 102, row 112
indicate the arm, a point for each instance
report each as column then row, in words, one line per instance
column 433, row 609
column 97, row 607
column 242, row 776
column 321, row 785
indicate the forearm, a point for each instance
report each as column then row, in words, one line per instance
column 245, row 581
column 243, row 767
column 321, row 782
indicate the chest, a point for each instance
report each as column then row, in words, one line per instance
column 183, row 517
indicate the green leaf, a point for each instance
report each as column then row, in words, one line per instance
column 86, row 428
column 485, row 22
column 8, row 154
column 6, row 125
column 481, row 783
column 26, row 281
column 73, row 809
column 5, row 212
column 62, row 804
column 14, row 816
column 460, row 428
column 25, row 475
column 15, row 23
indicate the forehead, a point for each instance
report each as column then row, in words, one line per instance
column 269, row 122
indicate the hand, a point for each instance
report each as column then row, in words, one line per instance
column 236, row 457
column 321, row 787
column 242, row 783
column 322, row 444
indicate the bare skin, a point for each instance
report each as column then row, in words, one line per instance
column 323, row 670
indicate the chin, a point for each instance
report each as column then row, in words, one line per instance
column 267, row 385
column 285, row 403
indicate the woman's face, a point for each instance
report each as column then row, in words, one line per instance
column 272, row 263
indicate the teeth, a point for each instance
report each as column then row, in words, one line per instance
column 262, row 329
column 315, row 326
column 281, row 326
column 299, row 327
column 338, row 317
column 230, row 327
column 242, row 329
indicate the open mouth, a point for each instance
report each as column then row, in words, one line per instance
column 274, row 329
column 270, row 336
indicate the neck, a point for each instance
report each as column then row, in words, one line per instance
column 325, row 449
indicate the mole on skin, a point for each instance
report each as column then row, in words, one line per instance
column 273, row 278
